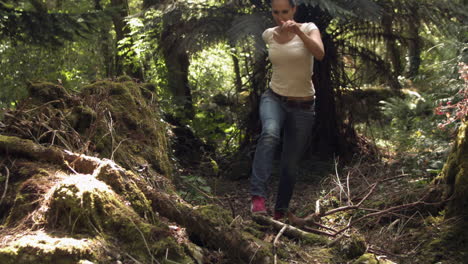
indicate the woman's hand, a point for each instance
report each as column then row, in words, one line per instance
column 290, row 26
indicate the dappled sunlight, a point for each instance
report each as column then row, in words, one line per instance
column 129, row 130
column 46, row 243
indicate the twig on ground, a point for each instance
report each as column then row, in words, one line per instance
column 350, row 207
column 380, row 251
column 316, row 231
column 357, row 206
column 253, row 256
column 338, row 182
column 394, row 208
column 275, row 242
column 350, row 202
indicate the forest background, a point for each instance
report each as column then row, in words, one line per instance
column 391, row 92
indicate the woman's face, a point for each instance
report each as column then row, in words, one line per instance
column 282, row 11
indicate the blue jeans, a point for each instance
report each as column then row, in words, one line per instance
column 295, row 124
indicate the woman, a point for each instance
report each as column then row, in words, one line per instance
column 287, row 107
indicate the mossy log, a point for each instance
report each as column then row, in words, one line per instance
column 116, row 203
column 454, row 175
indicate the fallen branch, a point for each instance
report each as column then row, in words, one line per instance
column 290, row 230
column 275, row 242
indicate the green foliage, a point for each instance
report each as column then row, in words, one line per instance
column 70, row 65
column 37, row 25
column 413, row 128
column 211, row 79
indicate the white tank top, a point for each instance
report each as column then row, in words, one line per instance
column 293, row 64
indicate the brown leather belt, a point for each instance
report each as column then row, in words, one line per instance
column 294, row 102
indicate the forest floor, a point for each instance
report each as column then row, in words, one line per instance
column 370, row 210
column 400, row 235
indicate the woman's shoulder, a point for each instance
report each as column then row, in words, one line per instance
column 308, row 26
column 268, row 34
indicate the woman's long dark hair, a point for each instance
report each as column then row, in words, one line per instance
column 292, row 3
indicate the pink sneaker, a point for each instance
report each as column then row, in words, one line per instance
column 258, row 205
column 278, row 215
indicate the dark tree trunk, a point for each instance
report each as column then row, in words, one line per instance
column 238, row 80
column 177, row 63
column 329, row 135
column 393, row 54
column 104, row 41
column 259, row 85
column 325, row 140
column 414, row 43
column 122, row 31
column 59, row 4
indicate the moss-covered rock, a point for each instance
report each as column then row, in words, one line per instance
column 83, row 205
column 40, row 247
column 123, row 183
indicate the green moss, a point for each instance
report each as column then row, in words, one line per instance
column 81, row 118
column 215, row 214
column 83, row 205
column 264, row 251
column 256, row 230
column 29, row 194
column 42, row 92
column 123, row 183
column 124, row 78
column 41, row 247
column 367, row 259
column 28, row 149
column 139, row 137
column 314, row 239
column 352, row 247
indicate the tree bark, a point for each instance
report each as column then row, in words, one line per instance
column 259, row 85
column 237, row 80
column 414, row 43
column 326, row 140
column 393, row 54
column 121, row 32
column 104, row 40
column 177, row 63
column 331, row 135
